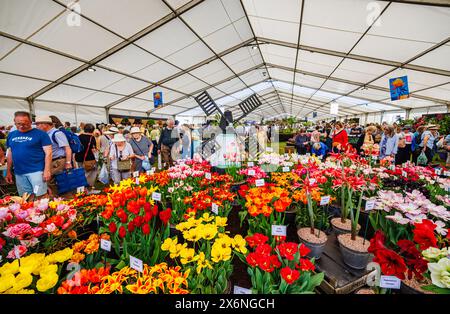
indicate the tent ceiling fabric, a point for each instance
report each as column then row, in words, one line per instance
column 299, row 56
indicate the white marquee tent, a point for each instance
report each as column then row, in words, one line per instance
column 85, row 59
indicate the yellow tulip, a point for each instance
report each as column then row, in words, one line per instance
column 22, row 280
column 169, row 243
column 6, row 282
column 221, row 221
column 10, row 268
column 47, row 282
column 187, row 255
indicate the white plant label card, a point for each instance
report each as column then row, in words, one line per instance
column 156, row 196
column 240, row 290
column 136, row 174
column 80, row 189
column 259, row 182
column 251, row 172
column 389, row 282
column 250, row 164
column 286, row 169
column 269, row 149
column 208, row 175
column 370, row 204
column 105, row 245
column 324, row 200
column 136, row 264
column 215, row 208
column 438, row 172
column 447, row 173
column 405, row 174
column 137, row 181
column 312, row 181
column 149, row 172
column 278, row 230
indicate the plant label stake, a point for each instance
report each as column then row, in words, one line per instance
column 389, row 282
column 80, row 189
column 259, row 182
column 279, row 230
column 251, row 172
column 215, row 208
column 105, row 246
column 137, row 181
column 135, row 174
column 136, row 264
column 240, row 290
column 208, row 175
column 438, row 172
column 156, row 196
column 404, row 174
column 324, row 200
column 286, row 169
column 250, row 164
column 370, row 204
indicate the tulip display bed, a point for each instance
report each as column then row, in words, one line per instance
column 285, row 224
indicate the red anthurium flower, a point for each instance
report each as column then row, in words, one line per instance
column 122, row 232
column 289, row 275
column 112, row 227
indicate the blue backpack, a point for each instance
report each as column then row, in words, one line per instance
column 72, row 138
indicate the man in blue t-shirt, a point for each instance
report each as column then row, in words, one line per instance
column 30, row 151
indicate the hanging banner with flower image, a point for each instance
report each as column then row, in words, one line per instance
column 157, row 99
column 399, row 88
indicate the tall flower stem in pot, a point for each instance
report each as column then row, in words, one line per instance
column 310, row 212
column 355, row 217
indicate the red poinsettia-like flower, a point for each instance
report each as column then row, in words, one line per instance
column 377, row 242
column 165, row 215
column 305, row 265
column 289, row 275
column 424, row 234
column 256, row 239
column 391, row 263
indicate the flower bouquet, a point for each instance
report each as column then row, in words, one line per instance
column 280, row 270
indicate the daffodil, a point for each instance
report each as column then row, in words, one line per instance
column 187, row 256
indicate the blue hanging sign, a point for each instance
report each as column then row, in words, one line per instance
column 399, row 88
column 157, row 99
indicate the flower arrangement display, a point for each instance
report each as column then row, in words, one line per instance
column 396, row 214
column 284, row 179
column 271, row 162
column 206, row 254
column 265, row 207
column 87, row 252
column 35, row 273
column 281, row 269
column 40, row 226
column 85, row 281
column 203, row 200
column 135, row 225
column 258, row 174
column 424, row 259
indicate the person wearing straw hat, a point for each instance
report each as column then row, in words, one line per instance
column 106, row 140
column 142, row 148
column 120, row 155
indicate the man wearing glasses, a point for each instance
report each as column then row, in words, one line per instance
column 30, row 151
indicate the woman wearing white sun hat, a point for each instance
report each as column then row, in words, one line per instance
column 120, row 155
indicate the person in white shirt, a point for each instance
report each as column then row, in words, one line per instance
column 120, row 154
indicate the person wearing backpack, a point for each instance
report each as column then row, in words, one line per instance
column 61, row 151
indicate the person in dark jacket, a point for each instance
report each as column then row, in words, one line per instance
column 301, row 141
column 168, row 139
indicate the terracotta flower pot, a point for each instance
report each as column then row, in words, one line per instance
column 314, row 243
column 340, row 228
column 354, row 252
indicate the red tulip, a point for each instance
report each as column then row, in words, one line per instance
column 122, row 232
column 112, row 227
column 155, row 210
column 289, row 275
column 131, row 227
column 147, row 207
column 165, row 215
column 148, row 216
column 146, row 229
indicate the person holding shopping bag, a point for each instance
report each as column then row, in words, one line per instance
column 142, row 148
column 120, row 155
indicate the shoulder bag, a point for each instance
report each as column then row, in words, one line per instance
column 89, row 165
column 122, row 165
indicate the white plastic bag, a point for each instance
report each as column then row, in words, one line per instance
column 103, row 176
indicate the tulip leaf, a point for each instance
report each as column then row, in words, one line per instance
column 436, row 289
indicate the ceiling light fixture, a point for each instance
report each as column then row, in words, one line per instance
column 254, row 47
column 91, row 69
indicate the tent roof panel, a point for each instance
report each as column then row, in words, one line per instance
column 129, row 60
column 326, row 38
column 438, row 58
column 157, row 71
column 17, row 86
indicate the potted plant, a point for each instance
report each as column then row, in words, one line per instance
column 283, row 269
column 312, row 237
column 354, row 249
